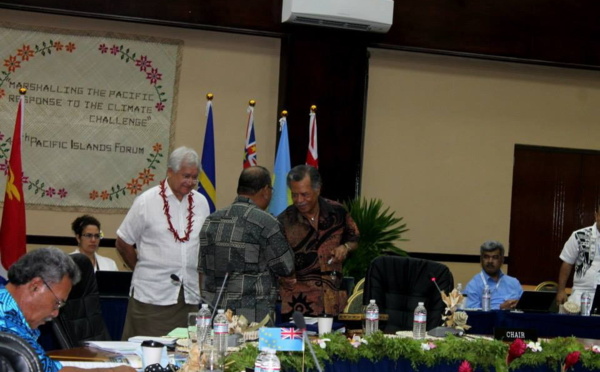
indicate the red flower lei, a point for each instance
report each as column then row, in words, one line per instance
column 163, row 194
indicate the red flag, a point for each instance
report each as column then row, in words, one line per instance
column 12, row 230
column 312, row 155
column 250, row 156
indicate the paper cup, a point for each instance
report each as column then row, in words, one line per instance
column 325, row 323
column 151, row 352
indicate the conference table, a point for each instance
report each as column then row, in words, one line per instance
column 547, row 325
column 363, row 365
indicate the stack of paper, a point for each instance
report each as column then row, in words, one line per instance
column 91, row 365
column 122, row 347
column 163, row 340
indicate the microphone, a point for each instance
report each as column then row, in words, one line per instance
column 219, row 296
column 435, row 282
column 301, row 324
column 442, row 331
column 175, row 278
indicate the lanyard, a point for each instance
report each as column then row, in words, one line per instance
column 485, row 282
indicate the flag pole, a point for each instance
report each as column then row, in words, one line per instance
column 13, row 231
column 207, row 179
column 312, row 154
column 281, row 195
column 250, row 151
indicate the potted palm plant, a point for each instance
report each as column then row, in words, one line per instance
column 379, row 230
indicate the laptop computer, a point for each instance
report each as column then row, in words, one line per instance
column 596, row 303
column 113, row 283
column 536, row 302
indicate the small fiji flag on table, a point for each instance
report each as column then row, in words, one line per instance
column 280, row 339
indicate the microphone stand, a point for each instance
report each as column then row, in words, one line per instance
column 301, row 323
column 176, row 278
column 219, row 296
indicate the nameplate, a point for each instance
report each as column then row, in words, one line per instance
column 511, row 334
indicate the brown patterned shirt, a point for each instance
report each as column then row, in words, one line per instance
column 317, row 288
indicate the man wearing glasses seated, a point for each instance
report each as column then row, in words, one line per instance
column 38, row 286
column 505, row 290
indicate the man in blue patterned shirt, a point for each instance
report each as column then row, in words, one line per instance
column 38, row 286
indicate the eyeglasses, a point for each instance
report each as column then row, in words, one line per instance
column 95, row 236
column 59, row 303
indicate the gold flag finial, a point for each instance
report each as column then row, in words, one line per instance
column 22, row 91
column 284, row 113
column 210, row 96
column 252, row 102
column 313, row 108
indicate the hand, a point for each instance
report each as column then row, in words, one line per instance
column 508, row 304
column 339, row 253
column 561, row 297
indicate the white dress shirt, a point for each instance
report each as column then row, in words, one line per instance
column 159, row 255
column 102, row 263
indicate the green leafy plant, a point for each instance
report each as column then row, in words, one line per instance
column 482, row 353
column 379, row 230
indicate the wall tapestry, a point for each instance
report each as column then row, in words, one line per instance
column 98, row 114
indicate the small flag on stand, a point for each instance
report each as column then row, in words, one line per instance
column 207, row 180
column 13, row 236
column 280, row 339
column 250, row 157
column 282, row 196
column 312, row 155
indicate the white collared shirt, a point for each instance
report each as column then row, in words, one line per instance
column 159, row 254
column 102, row 263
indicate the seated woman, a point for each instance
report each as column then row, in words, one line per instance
column 88, row 234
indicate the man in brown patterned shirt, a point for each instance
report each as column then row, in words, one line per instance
column 321, row 233
column 246, row 242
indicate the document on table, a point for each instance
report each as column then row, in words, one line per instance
column 91, row 365
column 162, row 340
column 122, row 347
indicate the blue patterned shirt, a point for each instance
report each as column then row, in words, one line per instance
column 13, row 321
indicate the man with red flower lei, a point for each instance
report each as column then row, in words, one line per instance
column 160, row 237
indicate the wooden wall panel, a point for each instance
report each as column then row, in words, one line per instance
column 554, row 193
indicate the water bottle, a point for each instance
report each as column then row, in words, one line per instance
column 459, row 289
column 221, row 328
column 214, row 361
column 420, row 322
column 203, row 325
column 485, row 299
column 258, row 363
column 586, row 303
column 271, row 362
column 371, row 318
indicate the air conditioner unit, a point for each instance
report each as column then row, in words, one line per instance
column 361, row 15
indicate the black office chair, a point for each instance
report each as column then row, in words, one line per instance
column 398, row 284
column 16, row 355
column 81, row 319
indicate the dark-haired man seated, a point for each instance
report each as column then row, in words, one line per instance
column 38, row 286
column 505, row 290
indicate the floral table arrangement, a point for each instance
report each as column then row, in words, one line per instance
column 462, row 354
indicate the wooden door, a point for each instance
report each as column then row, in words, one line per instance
column 554, row 193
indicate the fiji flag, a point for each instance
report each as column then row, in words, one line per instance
column 281, row 339
column 250, row 157
column 208, row 176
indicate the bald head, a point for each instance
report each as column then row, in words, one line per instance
column 255, row 183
